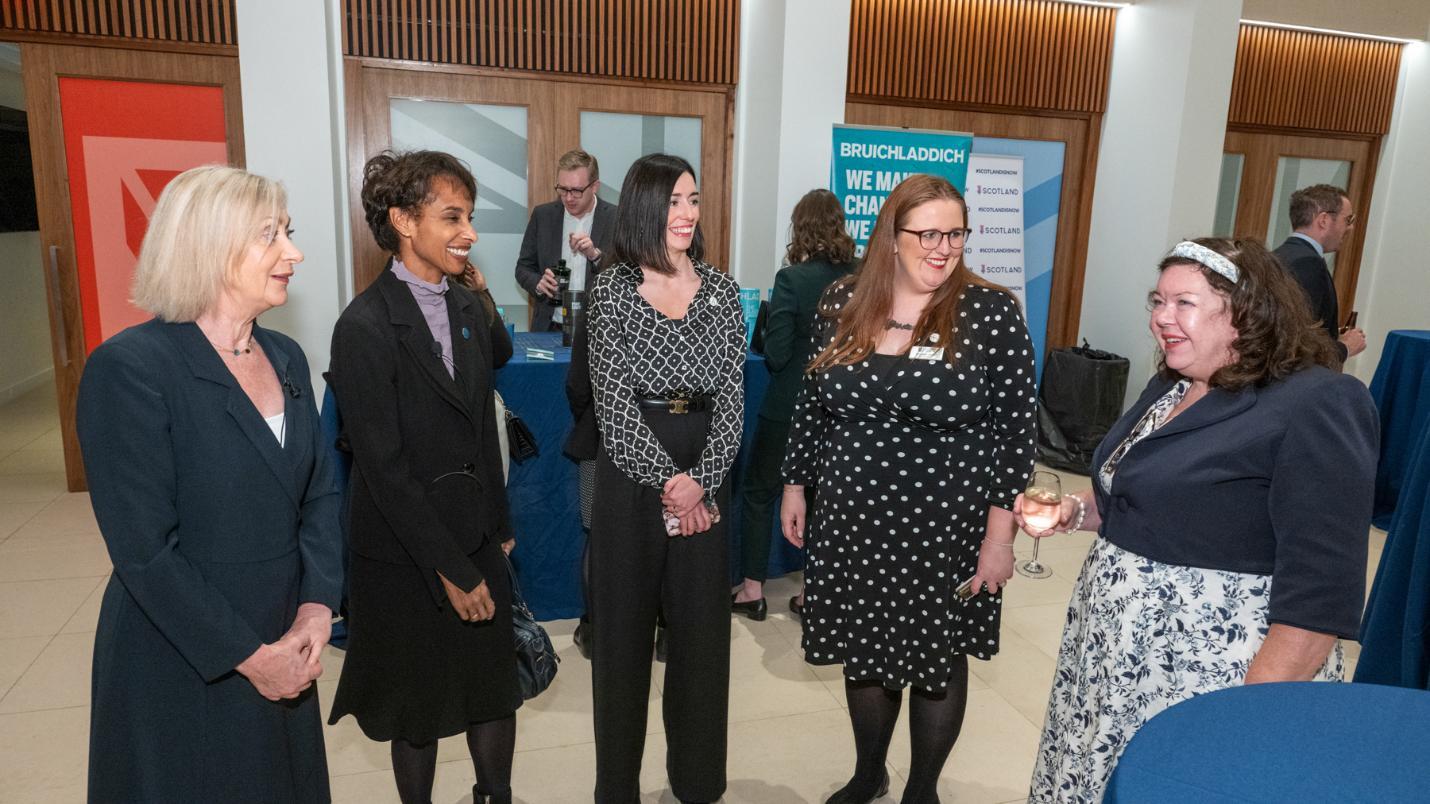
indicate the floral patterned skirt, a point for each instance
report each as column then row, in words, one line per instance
column 1142, row 636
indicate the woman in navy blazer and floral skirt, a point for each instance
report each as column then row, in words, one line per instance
column 1232, row 504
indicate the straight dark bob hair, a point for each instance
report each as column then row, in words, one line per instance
column 639, row 238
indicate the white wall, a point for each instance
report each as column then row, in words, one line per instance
column 1394, row 287
column 794, row 57
column 25, row 359
column 290, row 65
column 1159, row 164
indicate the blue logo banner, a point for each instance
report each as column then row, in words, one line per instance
column 869, row 163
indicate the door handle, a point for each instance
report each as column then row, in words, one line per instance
column 57, row 308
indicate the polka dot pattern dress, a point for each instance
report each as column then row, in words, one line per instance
column 908, row 454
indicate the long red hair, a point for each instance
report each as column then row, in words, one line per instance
column 863, row 318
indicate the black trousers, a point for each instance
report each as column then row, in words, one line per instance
column 761, row 490
column 637, row 573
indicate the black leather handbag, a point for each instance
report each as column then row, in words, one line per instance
column 520, row 442
column 536, row 659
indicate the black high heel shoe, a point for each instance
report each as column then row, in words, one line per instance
column 491, row 798
column 797, row 607
column 848, row 795
column 756, row 610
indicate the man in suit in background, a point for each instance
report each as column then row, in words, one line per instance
column 1321, row 215
column 576, row 227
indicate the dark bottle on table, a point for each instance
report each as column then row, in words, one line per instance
column 563, row 294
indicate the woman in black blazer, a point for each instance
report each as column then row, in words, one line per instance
column 430, row 651
column 819, row 252
column 1232, row 504
column 217, row 503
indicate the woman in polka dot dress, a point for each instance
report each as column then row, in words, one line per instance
column 916, row 423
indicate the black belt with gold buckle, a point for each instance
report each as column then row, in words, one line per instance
column 677, row 405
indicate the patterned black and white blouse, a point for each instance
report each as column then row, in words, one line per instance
column 639, row 353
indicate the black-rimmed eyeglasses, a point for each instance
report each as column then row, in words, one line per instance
column 930, row 238
column 573, row 191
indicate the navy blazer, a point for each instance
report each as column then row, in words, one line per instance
column 541, row 248
column 1309, row 270
column 426, row 487
column 1274, row 481
column 217, row 533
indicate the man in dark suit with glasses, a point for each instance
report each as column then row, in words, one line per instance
column 576, row 227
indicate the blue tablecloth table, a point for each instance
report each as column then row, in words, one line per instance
column 545, row 505
column 1294, row 742
column 1395, row 634
column 1401, row 389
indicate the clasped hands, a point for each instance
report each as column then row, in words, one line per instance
column 285, row 668
column 684, row 498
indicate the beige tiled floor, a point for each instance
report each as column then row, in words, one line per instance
column 789, row 733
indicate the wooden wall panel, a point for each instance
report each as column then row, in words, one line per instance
column 671, row 40
column 1030, row 54
column 1312, row 81
column 205, row 22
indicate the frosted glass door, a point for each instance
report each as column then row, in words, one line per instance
column 618, row 140
column 492, row 140
column 1224, row 225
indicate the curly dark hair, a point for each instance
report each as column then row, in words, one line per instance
column 817, row 230
column 393, row 180
column 1276, row 332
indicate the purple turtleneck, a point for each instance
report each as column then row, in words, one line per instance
column 432, row 301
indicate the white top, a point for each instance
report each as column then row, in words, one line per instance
column 575, row 260
column 277, row 424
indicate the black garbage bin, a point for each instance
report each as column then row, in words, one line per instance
column 1078, row 402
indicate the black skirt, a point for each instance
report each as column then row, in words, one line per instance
column 417, row 671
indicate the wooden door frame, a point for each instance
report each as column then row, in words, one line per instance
column 1262, row 147
column 41, row 66
column 363, row 79
column 1079, row 131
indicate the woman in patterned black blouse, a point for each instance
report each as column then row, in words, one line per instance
column 667, row 340
column 916, row 423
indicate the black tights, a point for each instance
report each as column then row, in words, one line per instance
column 935, row 720
column 491, row 745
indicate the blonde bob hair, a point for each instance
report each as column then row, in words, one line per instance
column 204, row 220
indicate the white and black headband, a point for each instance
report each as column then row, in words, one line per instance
column 1204, row 256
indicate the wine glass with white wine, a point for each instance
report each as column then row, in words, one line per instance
column 1042, row 509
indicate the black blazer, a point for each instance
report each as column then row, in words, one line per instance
column 789, row 331
column 1311, row 273
column 217, row 534
column 541, row 248
column 1275, row 481
column 426, row 486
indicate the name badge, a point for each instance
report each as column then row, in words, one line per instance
column 926, row 353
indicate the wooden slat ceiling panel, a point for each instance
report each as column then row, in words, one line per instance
column 1037, row 54
column 662, row 40
column 208, row 22
column 1318, row 82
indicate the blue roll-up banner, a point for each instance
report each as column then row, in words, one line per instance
column 870, row 161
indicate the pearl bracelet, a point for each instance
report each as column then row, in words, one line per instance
column 1081, row 515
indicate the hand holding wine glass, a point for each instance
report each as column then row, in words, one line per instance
column 1041, row 507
